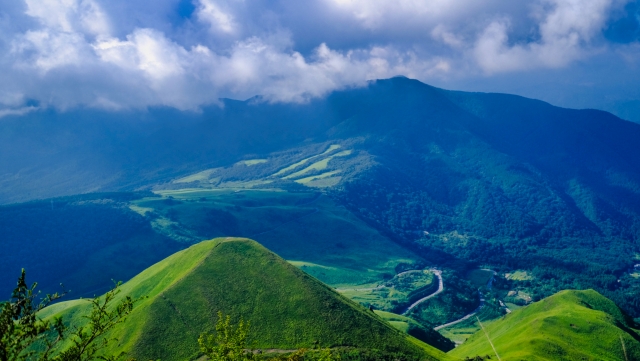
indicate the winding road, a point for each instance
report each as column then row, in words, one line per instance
column 438, row 274
column 466, row 317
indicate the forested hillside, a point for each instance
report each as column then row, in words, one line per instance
column 461, row 179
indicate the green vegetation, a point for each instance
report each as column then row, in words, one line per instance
column 229, row 342
column 200, row 176
column 287, row 309
column 564, row 326
column 300, row 163
column 83, row 241
column 25, row 335
column 316, row 177
column 457, row 299
column 319, row 165
column 20, row 327
column 465, row 179
column 411, row 327
column 519, row 275
column 479, row 277
column 394, row 294
column 251, row 162
column 93, row 239
column 329, row 242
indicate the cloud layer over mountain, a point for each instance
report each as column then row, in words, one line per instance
column 181, row 53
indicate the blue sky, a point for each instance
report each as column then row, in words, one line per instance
column 123, row 54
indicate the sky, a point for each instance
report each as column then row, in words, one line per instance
column 135, row 54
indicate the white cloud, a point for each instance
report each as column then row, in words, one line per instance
column 566, row 32
column 70, row 15
column 18, row 111
column 440, row 33
column 146, row 50
column 46, row 50
column 210, row 12
column 382, row 13
column 125, row 53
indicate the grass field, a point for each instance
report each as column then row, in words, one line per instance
column 561, row 327
column 395, row 293
column 316, row 177
column 519, row 276
column 84, row 242
column 317, row 166
column 287, row 309
column 304, row 161
column 331, row 243
column 251, row 162
column 200, row 176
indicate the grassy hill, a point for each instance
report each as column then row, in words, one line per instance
column 411, row 327
column 570, row 325
column 287, row 308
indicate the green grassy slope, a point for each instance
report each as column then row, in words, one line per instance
column 287, row 308
column 305, row 227
column 570, row 325
column 411, row 327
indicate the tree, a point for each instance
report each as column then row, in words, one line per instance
column 20, row 327
column 88, row 340
column 21, row 330
column 229, row 343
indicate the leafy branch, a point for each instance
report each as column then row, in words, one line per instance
column 22, row 332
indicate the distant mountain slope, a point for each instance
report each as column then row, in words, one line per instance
column 571, row 325
column 86, row 241
column 287, row 308
column 83, row 242
column 490, row 179
column 49, row 154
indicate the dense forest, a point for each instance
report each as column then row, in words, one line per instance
column 461, row 232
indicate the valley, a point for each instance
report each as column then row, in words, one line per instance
column 435, row 209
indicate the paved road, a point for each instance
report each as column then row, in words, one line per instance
column 438, row 274
column 466, row 317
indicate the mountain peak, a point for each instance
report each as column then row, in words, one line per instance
column 287, row 308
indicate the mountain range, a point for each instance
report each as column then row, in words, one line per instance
column 511, row 199
column 486, row 178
